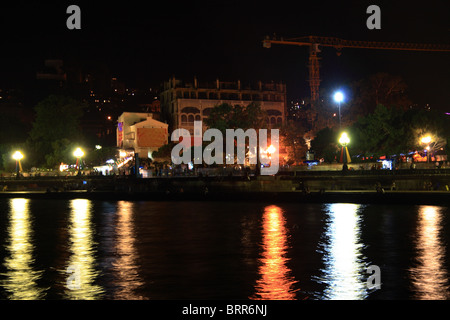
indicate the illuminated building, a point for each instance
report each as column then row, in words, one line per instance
column 183, row 103
column 140, row 133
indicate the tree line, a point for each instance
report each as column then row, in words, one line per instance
column 51, row 138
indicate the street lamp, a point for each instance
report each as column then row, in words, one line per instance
column 344, row 140
column 426, row 140
column 78, row 153
column 18, row 156
column 339, row 97
column 271, row 150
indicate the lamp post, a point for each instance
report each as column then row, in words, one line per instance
column 79, row 154
column 344, row 140
column 339, row 97
column 17, row 156
column 426, row 140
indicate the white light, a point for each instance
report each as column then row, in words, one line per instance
column 78, row 153
column 17, row 156
column 344, row 139
column 338, row 97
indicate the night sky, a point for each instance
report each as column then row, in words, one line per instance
column 146, row 42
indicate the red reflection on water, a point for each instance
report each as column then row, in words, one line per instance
column 276, row 282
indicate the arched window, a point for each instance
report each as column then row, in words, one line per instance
column 183, row 118
column 273, row 112
column 279, row 120
column 190, row 110
column 273, row 120
column 198, row 117
column 190, row 118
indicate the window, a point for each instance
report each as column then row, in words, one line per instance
column 193, row 110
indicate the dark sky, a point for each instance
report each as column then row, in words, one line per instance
column 146, row 42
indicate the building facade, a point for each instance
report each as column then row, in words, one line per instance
column 183, row 103
column 140, row 133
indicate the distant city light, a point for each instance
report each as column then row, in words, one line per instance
column 63, row 167
column 98, row 147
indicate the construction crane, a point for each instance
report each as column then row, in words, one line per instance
column 315, row 42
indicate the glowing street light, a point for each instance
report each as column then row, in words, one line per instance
column 271, row 149
column 18, row 156
column 426, row 139
column 78, row 153
column 344, row 140
column 339, row 97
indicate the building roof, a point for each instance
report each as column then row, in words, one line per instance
column 151, row 123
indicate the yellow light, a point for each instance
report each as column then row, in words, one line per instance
column 344, row 139
column 21, row 276
column 17, row 156
column 78, row 153
column 426, row 139
column 271, row 149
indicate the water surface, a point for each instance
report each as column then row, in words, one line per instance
column 83, row 249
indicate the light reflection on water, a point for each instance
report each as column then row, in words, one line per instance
column 342, row 257
column 276, row 281
column 125, row 266
column 429, row 276
column 21, row 277
column 338, row 273
column 82, row 252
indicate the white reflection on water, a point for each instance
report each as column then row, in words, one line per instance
column 83, row 250
column 429, row 276
column 125, row 266
column 276, row 282
column 344, row 264
column 21, row 279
